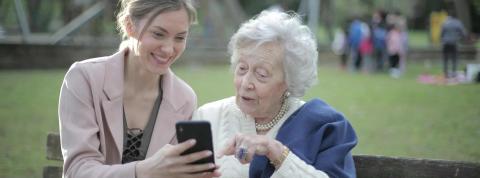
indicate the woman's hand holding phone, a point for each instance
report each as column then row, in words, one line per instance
column 168, row 162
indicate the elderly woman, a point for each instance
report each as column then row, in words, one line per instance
column 266, row 130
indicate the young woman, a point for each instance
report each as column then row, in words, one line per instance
column 118, row 113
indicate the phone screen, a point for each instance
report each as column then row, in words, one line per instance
column 200, row 131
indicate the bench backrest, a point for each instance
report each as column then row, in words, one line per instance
column 367, row 166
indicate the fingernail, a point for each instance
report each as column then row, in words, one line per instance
column 211, row 165
column 209, row 153
column 192, row 141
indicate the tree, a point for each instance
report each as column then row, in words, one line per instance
column 463, row 12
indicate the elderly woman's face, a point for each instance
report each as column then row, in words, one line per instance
column 259, row 79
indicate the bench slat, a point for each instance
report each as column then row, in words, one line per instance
column 53, row 147
column 383, row 166
column 52, row 172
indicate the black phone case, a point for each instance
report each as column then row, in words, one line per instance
column 200, row 131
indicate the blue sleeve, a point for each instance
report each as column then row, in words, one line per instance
column 318, row 135
column 333, row 156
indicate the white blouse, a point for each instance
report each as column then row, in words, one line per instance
column 227, row 120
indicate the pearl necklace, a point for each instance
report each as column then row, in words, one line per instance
column 267, row 126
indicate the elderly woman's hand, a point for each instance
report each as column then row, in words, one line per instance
column 168, row 162
column 244, row 147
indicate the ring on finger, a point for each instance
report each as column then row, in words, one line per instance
column 242, row 153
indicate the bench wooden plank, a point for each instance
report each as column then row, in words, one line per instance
column 383, row 166
column 53, row 147
column 367, row 166
column 52, row 172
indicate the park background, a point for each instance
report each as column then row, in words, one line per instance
column 394, row 117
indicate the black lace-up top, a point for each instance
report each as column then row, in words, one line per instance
column 135, row 140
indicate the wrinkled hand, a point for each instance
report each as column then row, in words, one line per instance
column 167, row 162
column 253, row 145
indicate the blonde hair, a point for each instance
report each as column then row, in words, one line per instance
column 136, row 10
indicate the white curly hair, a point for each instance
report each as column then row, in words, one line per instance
column 298, row 42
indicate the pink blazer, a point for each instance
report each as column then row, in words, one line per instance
column 91, row 120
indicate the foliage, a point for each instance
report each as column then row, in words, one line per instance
column 476, row 3
column 47, row 16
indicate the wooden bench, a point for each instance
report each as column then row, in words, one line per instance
column 53, row 153
column 367, row 166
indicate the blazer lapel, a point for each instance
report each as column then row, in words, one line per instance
column 168, row 114
column 113, row 105
column 164, row 130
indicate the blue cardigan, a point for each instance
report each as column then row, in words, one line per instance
column 318, row 135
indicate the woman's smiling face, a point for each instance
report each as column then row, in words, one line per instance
column 161, row 42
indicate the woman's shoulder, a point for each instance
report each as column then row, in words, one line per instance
column 319, row 110
column 180, row 86
column 87, row 70
column 223, row 115
column 95, row 65
column 219, row 105
column 318, row 118
column 217, row 109
column 179, row 92
column 90, row 76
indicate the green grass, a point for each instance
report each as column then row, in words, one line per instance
column 28, row 111
column 396, row 117
column 418, row 38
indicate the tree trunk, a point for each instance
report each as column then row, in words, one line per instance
column 328, row 14
column 236, row 10
column 213, row 24
column 34, row 15
column 463, row 13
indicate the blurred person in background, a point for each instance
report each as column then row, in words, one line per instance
column 366, row 49
column 266, row 130
column 379, row 34
column 395, row 50
column 280, row 6
column 355, row 36
column 340, row 45
column 117, row 113
column 396, row 21
column 402, row 23
column 397, row 43
column 451, row 34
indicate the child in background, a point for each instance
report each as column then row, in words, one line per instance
column 395, row 50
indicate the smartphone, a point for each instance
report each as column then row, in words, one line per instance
column 200, row 131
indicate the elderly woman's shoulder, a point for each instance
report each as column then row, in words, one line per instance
column 216, row 110
column 319, row 110
column 221, row 104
